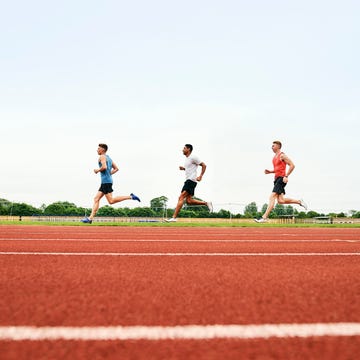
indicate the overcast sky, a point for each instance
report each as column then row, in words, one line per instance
column 146, row 77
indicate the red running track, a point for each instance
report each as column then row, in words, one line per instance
column 145, row 276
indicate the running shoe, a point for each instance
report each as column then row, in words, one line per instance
column 210, row 206
column 260, row 220
column 303, row 204
column 134, row 197
column 171, row 220
column 86, row 220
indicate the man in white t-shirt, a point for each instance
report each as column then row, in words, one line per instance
column 191, row 179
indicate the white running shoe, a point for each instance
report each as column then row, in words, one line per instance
column 303, row 204
column 210, row 206
column 171, row 220
column 261, row 220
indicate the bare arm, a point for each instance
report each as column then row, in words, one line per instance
column 291, row 165
column 203, row 169
column 114, row 169
column 102, row 160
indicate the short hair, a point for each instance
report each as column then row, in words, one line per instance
column 104, row 146
column 277, row 142
column 189, row 146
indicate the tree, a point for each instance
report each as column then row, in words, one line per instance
column 55, row 209
column 159, row 203
column 264, row 207
column 5, row 207
column 279, row 210
column 224, row 214
column 23, row 209
column 63, row 208
column 107, row 211
column 289, row 210
column 141, row 212
column 251, row 210
column 186, row 213
column 312, row 214
column 302, row 215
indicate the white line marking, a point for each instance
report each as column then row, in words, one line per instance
column 197, row 332
column 253, row 241
column 173, row 254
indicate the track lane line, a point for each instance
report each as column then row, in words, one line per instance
column 190, row 332
column 30, row 253
column 253, row 241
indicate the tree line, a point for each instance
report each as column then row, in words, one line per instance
column 158, row 208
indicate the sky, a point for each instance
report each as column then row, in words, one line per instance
column 146, row 77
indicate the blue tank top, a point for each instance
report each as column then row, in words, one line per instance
column 106, row 177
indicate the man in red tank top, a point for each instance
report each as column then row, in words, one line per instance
column 280, row 162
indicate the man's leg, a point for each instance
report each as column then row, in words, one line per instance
column 96, row 205
column 192, row 201
column 272, row 200
column 183, row 196
column 283, row 200
column 117, row 199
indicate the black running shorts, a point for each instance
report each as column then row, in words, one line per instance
column 189, row 187
column 279, row 186
column 106, row 188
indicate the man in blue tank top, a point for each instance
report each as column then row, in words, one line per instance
column 106, row 168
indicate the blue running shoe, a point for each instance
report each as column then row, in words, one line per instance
column 86, row 220
column 134, row 197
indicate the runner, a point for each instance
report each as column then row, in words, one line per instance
column 106, row 168
column 191, row 179
column 280, row 162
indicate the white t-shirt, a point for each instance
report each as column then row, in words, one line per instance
column 191, row 164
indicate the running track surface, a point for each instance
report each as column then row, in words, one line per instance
column 179, row 293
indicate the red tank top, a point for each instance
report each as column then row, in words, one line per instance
column 279, row 166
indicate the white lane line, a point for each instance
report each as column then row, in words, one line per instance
column 253, row 241
column 194, row 332
column 173, row 254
